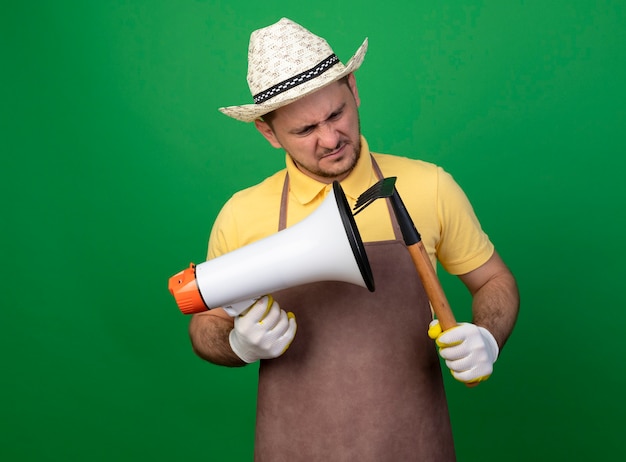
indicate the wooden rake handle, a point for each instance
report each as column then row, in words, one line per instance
column 423, row 265
column 433, row 289
column 432, row 286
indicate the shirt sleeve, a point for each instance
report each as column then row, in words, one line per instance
column 223, row 233
column 463, row 245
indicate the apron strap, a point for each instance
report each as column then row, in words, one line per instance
column 284, row 200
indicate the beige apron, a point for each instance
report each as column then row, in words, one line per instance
column 361, row 380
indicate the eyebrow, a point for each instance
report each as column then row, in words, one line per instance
column 305, row 128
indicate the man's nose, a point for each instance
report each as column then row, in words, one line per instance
column 328, row 136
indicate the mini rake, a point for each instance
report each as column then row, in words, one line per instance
column 413, row 241
column 384, row 188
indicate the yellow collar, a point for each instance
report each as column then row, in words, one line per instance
column 305, row 188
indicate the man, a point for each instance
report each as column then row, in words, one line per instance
column 358, row 378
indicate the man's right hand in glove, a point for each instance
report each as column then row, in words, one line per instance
column 264, row 331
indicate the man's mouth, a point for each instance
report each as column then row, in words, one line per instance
column 335, row 153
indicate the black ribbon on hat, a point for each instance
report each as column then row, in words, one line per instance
column 296, row 80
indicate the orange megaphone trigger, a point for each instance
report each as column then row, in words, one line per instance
column 184, row 287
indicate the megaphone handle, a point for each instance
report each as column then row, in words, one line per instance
column 235, row 309
column 432, row 286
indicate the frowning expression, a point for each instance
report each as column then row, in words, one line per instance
column 320, row 132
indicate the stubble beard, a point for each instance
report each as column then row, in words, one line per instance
column 332, row 174
column 355, row 155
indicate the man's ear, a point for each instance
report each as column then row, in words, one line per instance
column 354, row 89
column 267, row 132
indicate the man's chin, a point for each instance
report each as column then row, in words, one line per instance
column 338, row 168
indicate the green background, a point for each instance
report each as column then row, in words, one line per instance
column 115, row 162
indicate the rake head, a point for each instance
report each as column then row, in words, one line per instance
column 384, row 188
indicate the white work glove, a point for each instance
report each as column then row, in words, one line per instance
column 469, row 350
column 264, row 331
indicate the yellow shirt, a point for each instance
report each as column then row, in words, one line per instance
column 440, row 210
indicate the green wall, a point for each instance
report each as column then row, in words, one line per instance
column 115, row 161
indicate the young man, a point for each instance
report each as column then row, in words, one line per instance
column 358, row 378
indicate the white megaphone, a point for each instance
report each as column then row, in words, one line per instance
column 326, row 246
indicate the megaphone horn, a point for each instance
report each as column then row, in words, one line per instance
column 326, row 246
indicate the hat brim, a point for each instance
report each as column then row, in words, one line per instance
column 251, row 112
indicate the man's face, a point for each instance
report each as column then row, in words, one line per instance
column 320, row 132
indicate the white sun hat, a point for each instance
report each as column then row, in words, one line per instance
column 286, row 62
